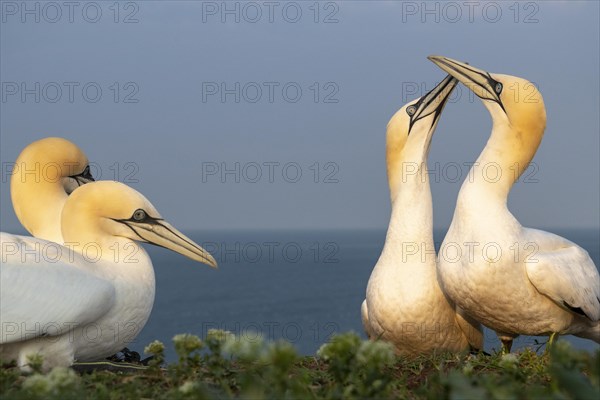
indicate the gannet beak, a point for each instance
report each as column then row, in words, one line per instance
column 84, row 177
column 478, row 81
column 433, row 102
column 160, row 233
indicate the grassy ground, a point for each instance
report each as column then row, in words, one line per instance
column 224, row 366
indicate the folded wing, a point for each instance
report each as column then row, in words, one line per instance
column 46, row 290
column 565, row 273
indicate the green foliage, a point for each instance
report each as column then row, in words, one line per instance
column 227, row 366
column 35, row 361
column 187, row 347
column 565, row 371
column 564, row 374
column 59, row 383
column 358, row 368
column 157, row 350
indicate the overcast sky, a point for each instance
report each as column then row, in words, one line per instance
column 170, row 97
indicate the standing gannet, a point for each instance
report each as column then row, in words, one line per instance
column 45, row 173
column 404, row 303
column 513, row 279
column 88, row 303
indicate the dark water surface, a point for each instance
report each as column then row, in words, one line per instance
column 301, row 286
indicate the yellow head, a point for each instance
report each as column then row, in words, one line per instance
column 103, row 210
column 410, row 130
column 516, row 106
column 44, row 174
column 52, row 161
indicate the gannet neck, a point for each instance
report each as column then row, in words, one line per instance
column 408, row 139
column 406, row 161
column 44, row 173
column 518, row 126
column 411, row 220
column 409, row 134
column 506, row 156
column 38, row 206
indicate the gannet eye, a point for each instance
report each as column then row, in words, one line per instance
column 139, row 215
column 411, row 110
column 498, row 88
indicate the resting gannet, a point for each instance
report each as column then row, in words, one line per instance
column 513, row 279
column 45, row 173
column 86, row 300
column 404, row 303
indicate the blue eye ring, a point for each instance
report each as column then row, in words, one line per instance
column 139, row 215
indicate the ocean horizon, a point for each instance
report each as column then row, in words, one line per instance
column 301, row 286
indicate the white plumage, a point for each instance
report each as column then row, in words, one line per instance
column 88, row 300
column 527, row 281
column 404, row 303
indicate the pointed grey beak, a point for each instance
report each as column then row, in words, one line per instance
column 478, row 81
column 433, row 102
column 161, row 233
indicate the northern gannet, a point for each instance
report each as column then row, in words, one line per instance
column 513, row 279
column 45, row 173
column 404, row 303
column 85, row 304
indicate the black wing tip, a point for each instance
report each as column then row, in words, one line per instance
column 576, row 310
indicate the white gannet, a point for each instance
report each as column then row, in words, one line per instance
column 45, row 173
column 88, row 303
column 513, row 279
column 404, row 303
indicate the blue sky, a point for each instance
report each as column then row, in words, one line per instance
column 148, row 89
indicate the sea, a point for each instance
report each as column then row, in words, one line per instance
column 298, row 286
